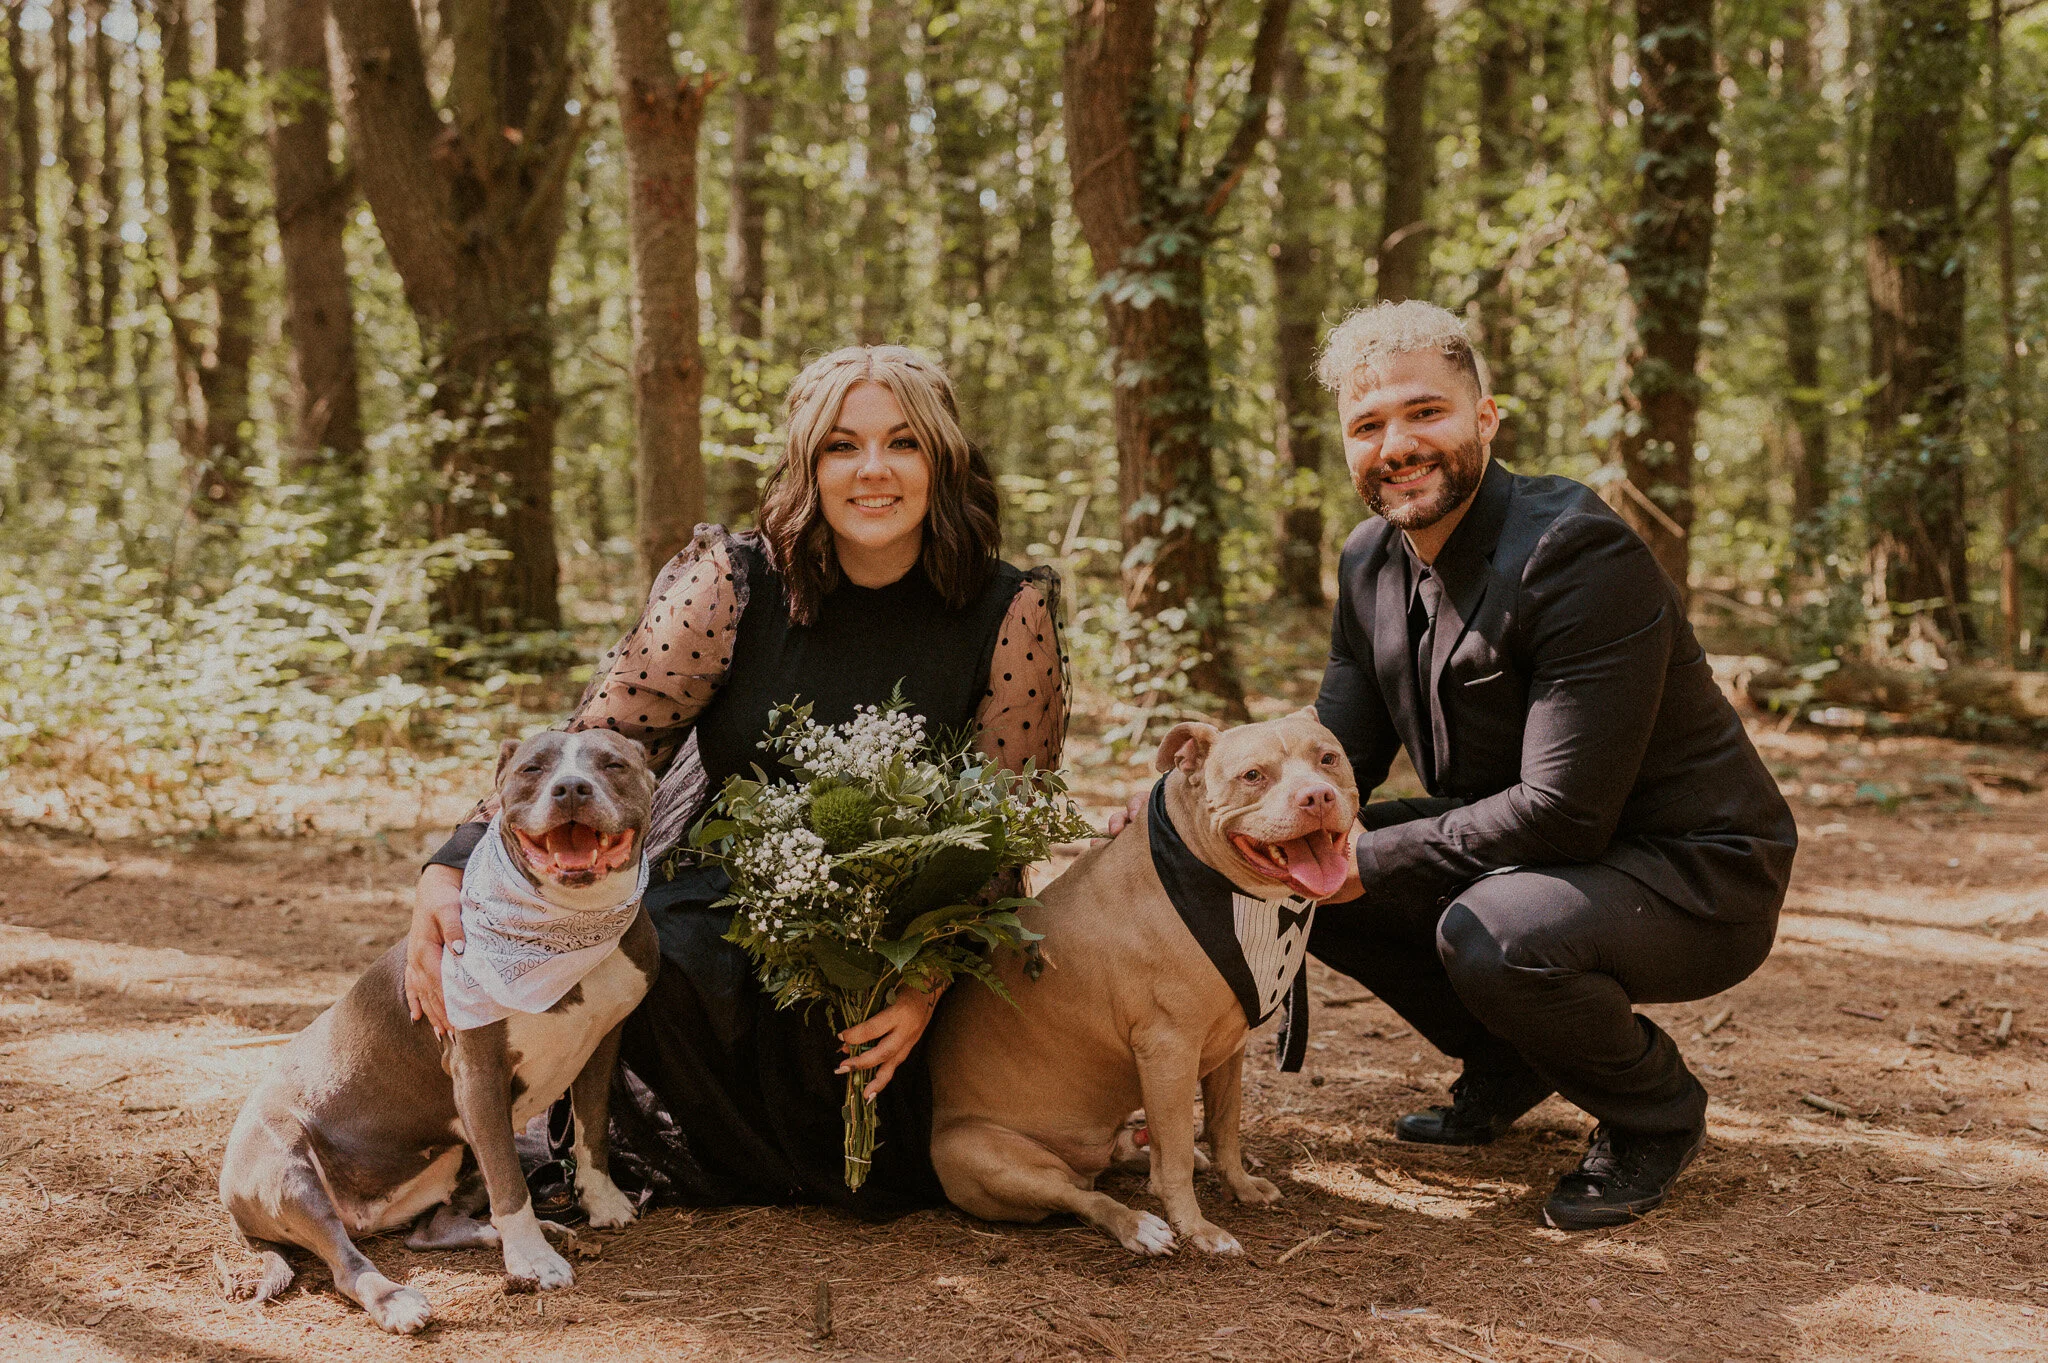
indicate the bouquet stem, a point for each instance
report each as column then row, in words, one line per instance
column 861, row 1119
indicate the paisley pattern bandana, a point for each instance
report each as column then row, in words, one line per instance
column 520, row 953
column 1258, row 945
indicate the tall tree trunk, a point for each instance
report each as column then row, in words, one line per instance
column 2013, row 469
column 1503, row 66
column 1915, row 272
column 28, row 138
column 660, row 112
column 110, row 195
column 1409, row 164
column 753, row 126
column 1671, row 250
column 78, row 233
column 958, row 148
column 1303, row 418
column 471, row 212
column 182, row 150
column 312, row 201
column 1797, row 147
column 231, row 258
column 1150, row 222
column 886, row 132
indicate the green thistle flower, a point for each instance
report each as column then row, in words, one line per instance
column 844, row 816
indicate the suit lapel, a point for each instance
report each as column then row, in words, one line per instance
column 1462, row 568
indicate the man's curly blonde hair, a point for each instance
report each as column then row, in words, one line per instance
column 1377, row 332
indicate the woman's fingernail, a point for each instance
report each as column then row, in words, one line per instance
column 455, row 947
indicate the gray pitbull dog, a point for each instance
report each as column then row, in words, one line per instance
column 370, row 1121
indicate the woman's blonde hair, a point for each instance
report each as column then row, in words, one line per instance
column 962, row 525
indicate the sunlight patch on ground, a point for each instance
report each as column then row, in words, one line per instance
column 167, row 973
column 1396, row 1191
column 1981, row 1161
column 1921, row 945
column 1868, row 1323
column 1922, row 905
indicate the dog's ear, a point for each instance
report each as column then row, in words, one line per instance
column 505, row 751
column 1307, row 712
column 1186, row 746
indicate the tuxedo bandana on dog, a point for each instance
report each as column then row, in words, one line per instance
column 522, row 953
column 1258, row 945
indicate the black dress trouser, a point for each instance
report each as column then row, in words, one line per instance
column 1546, row 964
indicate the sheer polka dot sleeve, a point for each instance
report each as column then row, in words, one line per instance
column 653, row 684
column 1023, row 715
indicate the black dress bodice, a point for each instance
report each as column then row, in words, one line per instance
column 865, row 642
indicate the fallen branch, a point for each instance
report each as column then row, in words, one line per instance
column 1827, row 1104
column 1312, row 1241
column 1716, row 1022
column 1860, row 1012
column 1462, row 1353
column 244, row 1043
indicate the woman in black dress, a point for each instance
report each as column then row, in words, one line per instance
column 876, row 567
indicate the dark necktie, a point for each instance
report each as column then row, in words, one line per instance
column 1429, row 596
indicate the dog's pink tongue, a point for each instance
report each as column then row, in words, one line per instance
column 1315, row 865
column 573, row 846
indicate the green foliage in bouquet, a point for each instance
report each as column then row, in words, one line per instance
column 873, row 865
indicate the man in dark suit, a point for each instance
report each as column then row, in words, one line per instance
column 1601, row 832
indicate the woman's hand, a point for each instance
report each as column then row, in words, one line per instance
column 436, row 923
column 894, row 1031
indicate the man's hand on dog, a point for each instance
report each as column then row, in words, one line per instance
column 894, row 1031
column 436, row 923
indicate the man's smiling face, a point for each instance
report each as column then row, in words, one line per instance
column 1416, row 433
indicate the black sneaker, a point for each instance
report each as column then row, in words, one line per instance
column 1625, row 1175
column 1484, row 1103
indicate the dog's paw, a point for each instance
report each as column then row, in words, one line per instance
column 1149, row 1235
column 401, row 1310
column 1212, row 1239
column 602, row 1201
column 1256, row 1191
column 539, row 1265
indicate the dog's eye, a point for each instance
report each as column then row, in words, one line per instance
column 615, row 765
column 533, row 768
column 1253, row 777
column 1329, row 759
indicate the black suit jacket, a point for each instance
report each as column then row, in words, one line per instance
column 1576, row 717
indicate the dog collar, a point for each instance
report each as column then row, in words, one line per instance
column 1259, row 946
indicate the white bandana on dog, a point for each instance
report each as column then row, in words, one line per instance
column 521, row 953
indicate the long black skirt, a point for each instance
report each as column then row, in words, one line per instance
column 723, row 1099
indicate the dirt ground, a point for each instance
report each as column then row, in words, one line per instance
column 1875, row 1186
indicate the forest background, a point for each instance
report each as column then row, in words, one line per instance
column 364, row 357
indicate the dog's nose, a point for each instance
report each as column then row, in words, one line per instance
column 1317, row 796
column 572, row 790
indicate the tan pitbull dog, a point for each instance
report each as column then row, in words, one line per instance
column 370, row 1122
column 1028, row 1100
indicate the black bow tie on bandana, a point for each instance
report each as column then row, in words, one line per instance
column 1258, row 946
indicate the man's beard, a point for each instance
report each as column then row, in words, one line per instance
column 1459, row 473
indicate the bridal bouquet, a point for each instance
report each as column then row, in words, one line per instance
column 867, row 870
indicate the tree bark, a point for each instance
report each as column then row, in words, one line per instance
column 78, row 233
column 753, row 127
column 1410, row 160
column 181, row 130
column 888, row 114
column 1303, row 419
column 231, row 258
column 110, row 196
column 1503, row 66
column 1914, row 266
column 1802, row 275
column 2013, row 460
column 471, row 212
column 1150, row 224
column 660, row 112
column 28, row 137
column 312, row 205
column 959, row 146
column 1670, row 253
